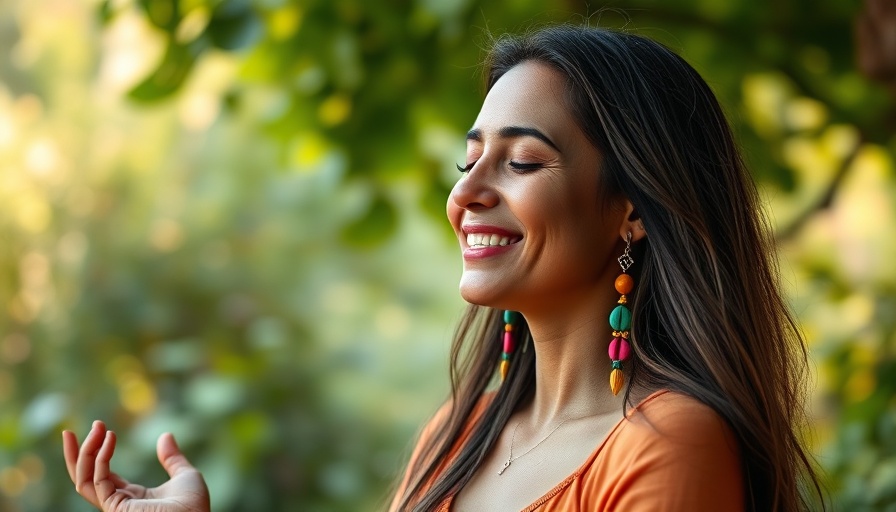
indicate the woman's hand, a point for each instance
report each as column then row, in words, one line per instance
column 88, row 467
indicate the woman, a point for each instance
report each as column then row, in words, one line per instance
column 594, row 151
column 590, row 141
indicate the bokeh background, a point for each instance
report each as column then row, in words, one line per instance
column 224, row 219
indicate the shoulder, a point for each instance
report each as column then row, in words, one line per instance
column 672, row 427
column 675, row 417
column 423, row 453
column 438, row 424
column 661, row 456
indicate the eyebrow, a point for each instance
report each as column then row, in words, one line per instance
column 510, row 132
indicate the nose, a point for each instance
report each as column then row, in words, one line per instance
column 475, row 190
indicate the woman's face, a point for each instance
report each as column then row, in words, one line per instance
column 526, row 212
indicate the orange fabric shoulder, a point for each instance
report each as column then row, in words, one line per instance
column 671, row 453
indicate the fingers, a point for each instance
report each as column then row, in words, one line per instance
column 70, row 452
column 89, row 466
column 103, row 480
column 84, row 467
column 170, row 455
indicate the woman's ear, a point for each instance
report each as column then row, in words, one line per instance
column 632, row 223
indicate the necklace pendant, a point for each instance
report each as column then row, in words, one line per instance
column 506, row 465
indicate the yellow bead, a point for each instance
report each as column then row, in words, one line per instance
column 622, row 300
column 505, row 365
column 617, row 380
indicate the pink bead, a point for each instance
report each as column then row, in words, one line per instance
column 619, row 349
column 508, row 342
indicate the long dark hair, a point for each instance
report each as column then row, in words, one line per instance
column 708, row 318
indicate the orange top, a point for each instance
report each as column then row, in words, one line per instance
column 670, row 453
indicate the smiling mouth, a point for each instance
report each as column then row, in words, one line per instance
column 490, row 240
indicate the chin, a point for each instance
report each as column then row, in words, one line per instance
column 482, row 296
column 474, row 299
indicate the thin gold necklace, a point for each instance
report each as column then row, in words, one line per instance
column 511, row 458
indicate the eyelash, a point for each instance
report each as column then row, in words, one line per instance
column 517, row 166
column 464, row 170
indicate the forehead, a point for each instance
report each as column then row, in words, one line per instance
column 528, row 94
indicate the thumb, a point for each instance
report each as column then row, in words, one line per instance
column 170, row 455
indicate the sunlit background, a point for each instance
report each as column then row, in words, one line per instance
column 223, row 218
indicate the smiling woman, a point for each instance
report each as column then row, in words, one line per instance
column 627, row 346
column 596, row 151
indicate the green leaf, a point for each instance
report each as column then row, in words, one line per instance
column 168, row 77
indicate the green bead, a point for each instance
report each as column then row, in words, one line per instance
column 505, row 356
column 617, row 365
column 620, row 318
column 510, row 316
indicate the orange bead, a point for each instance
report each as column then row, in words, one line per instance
column 624, row 283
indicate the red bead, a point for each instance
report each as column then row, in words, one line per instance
column 619, row 349
column 508, row 343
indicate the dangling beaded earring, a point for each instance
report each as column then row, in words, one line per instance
column 509, row 346
column 621, row 320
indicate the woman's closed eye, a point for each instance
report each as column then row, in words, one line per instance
column 525, row 166
column 516, row 166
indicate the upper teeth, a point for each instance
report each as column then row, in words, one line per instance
column 486, row 239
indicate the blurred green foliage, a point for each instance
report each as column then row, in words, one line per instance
column 223, row 218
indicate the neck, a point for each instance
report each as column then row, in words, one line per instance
column 572, row 365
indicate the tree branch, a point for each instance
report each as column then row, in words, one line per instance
column 827, row 197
